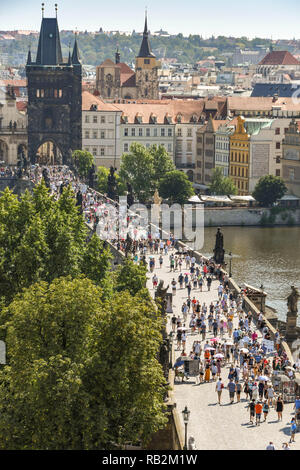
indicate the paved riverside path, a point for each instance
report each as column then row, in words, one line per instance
column 214, row 426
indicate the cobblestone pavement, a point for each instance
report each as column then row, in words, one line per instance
column 215, row 426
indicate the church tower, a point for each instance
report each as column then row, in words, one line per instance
column 54, row 98
column 146, row 69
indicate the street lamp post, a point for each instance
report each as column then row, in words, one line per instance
column 230, row 260
column 170, row 348
column 186, row 416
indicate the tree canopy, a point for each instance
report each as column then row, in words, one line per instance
column 176, row 187
column 83, row 161
column 221, row 185
column 269, row 189
column 143, row 168
column 82, row 342
column 42, row 239
column 82, row 370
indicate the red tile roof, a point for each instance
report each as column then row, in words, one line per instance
column 128, row 80
column 279, row 58
column 88, row 100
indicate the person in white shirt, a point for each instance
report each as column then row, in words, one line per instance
column 219, row 388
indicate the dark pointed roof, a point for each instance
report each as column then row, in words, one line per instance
column 49, row 47
column 29, row 57
column 145, row 50
column 75, row 55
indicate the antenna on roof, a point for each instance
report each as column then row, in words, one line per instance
column 43, row 9
column 56, row 10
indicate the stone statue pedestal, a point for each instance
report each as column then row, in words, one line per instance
column 291, row 324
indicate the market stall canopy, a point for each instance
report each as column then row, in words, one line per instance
column 224, row 199
column 242, row 198
column 194, row 199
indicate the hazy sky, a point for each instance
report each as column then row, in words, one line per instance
column 263, row 18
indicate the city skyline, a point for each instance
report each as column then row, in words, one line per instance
column 272, row 19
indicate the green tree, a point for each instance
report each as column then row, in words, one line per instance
column 269, row 189
column 83, row 161
column 137, row 168
column 162, row 162
column 82, row 370
column 102, row 179
column 42, row 239
column 176, row 187
column 131, row 277
column 221, row 185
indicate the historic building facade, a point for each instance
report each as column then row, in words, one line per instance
column 291, row 158
column 101, row 130
column 118, row 81
column 54, row 99
column 240, row 157
column 13, row 127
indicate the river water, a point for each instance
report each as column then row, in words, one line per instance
column 262, row 255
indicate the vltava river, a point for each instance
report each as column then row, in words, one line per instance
column 262, row 255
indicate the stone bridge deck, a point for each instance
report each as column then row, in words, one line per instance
column 214, row 426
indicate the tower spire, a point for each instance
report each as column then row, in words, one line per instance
column 56, row 10
column 70, row 58
column 146, row 24
column 145, row 50
column 43, row 9
column 29, row 55
column 117, row 55
column 75, row 55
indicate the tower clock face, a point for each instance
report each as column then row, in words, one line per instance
column 50, row 35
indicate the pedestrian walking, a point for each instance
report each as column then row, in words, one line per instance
column 251, row 407
column 258, row 411
column 231, row 389
column 279, row 407
column 219, row 389
column 293, row 430
column 238, row 389
column 266, row 409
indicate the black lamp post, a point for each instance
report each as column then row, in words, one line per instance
column 186, row 416
column 230, row 260
column 170, row 348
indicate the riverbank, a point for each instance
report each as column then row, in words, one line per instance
column 245, row 216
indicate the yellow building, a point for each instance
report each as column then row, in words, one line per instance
column 240, row 157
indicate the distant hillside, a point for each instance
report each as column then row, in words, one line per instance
column 96, row 48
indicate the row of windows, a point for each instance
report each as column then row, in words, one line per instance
column 95, row 119
column 239, row 157
column 49, row 93
column 242, row 185
column 220, row 157
column 222, row 145
column 100, row 151
column 239, row 144
column 140, row 132
column 95, row 134
column 238, row 171
column 189, row 147
column 189, row 132
column 126, row 146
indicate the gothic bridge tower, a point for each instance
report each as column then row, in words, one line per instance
column 54, row 99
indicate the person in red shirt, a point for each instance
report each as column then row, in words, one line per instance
column 258, row 411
